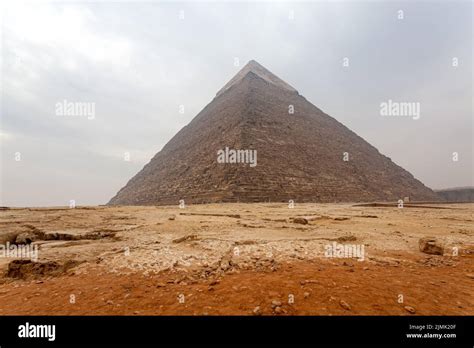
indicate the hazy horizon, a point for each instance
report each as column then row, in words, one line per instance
column 150, row 67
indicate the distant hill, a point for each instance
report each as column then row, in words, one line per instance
column 457, row 194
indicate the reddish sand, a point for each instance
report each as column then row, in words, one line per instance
column 138, row 260
column 317, row 288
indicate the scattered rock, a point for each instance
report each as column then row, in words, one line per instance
column 94, row 235
column 185, row 238
column 235, row 216
column 341, row 218
column 277, row 310
column 33, row 234
column 24, row 269
column 345, row 305
column 276, row 303
column 429, row 245
column 308, row 281
column 252, row 226
column 306, row 294
column 470, row 275
column 245, row 242
column 225, row 265
column 346, row 239
column 9, row 237
column 300, row 220
column 257, row 311
column 410, row 309
column 172, row 217
column 26, row 238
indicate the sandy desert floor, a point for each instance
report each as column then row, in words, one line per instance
column 239, row 259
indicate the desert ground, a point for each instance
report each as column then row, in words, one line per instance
column 239, row 259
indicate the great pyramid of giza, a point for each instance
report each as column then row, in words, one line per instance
column 301, row 154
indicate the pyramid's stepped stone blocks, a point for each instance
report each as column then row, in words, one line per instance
column 299, row 154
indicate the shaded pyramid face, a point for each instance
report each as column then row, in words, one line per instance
column 289, row 150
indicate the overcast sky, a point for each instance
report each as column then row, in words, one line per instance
column 139, row 61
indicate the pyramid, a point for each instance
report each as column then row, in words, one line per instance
column 301, row 154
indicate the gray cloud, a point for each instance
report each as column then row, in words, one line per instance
column 138, row 61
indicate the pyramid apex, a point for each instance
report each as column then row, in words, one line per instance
column 259, row 70
column 254, row 66
column 253, row 62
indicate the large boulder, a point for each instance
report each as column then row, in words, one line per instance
column 430, row 245
column 26, row 238
column 9, row 237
